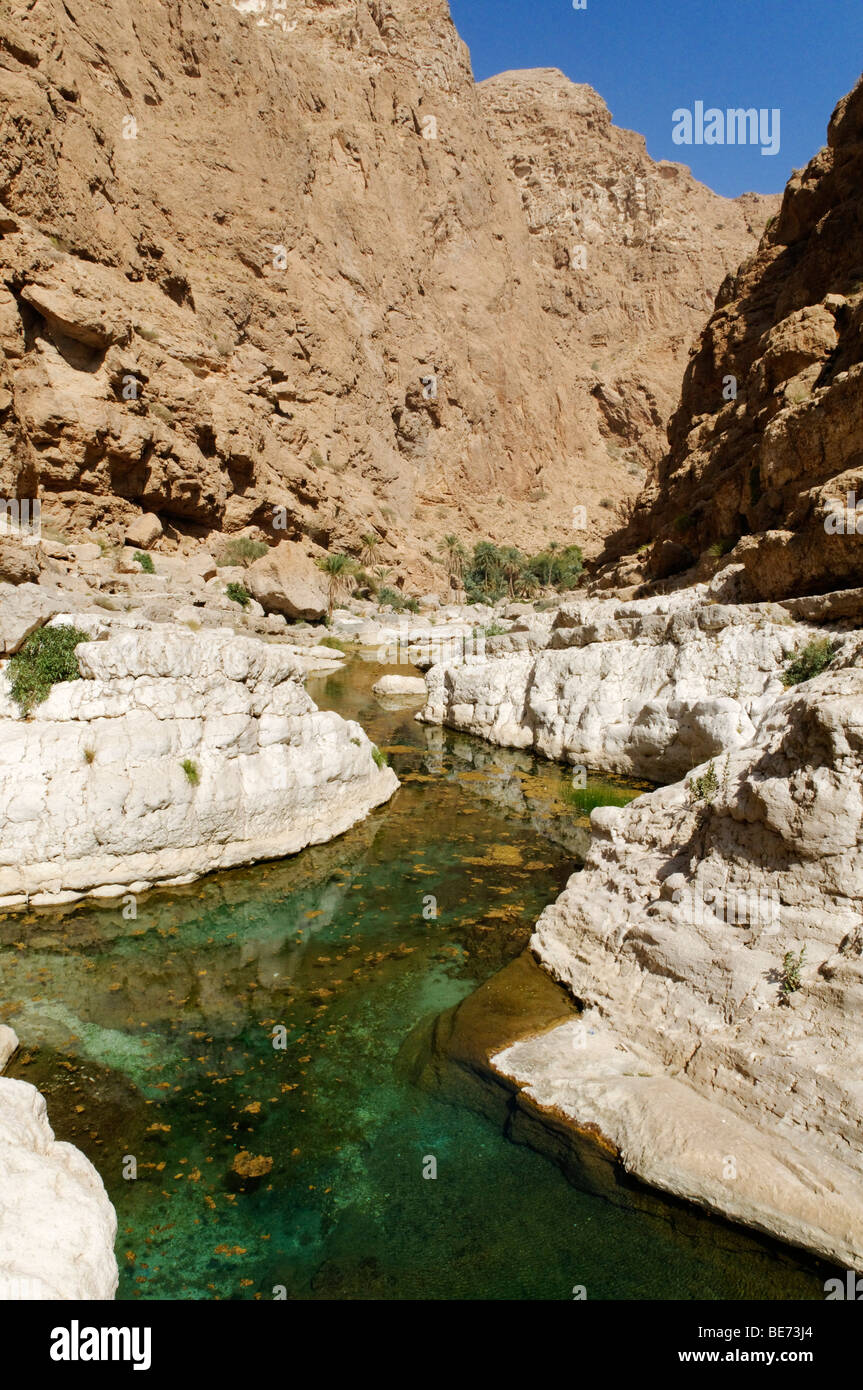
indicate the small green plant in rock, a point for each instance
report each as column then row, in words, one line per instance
column 46, row 658
column 814, row 658
column 705, row 787
column 379, row 757
column 792, row 965
column 145, row 561
column 495, row 630
column 238, row 593
column 89, row 755
column 190, row 767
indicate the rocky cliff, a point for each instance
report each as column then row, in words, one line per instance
column 261, row 256
column 765, row 466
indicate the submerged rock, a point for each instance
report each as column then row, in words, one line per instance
column 400, row 685
column 175, row 754
column 57, row 1226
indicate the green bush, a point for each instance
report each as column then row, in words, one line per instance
column 705, row 787
column 811, row 661
column 190, row 767
column 46, row 658
column 791, row 967
column 238, row 593
column 145, row 561
column 241, row 551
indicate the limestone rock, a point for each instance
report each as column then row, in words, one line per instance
column 400, row 685
column 175, row 754
column 648, row 689
column 57, row 1226
column 690, row 1061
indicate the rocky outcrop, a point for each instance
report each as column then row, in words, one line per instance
column 697, row 1062
column 648, row 688
column 766, row 459
column 57, row 1226
column 175, row 754
column 241, row 256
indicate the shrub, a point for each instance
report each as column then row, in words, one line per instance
column 720, row 548
column 241, row 551
column 791, row 967
column 379, row 757
column 332, row 642
column 190, row 767
column 811, row 661
column 705, row 787
column 145, row 561
column 46, row 658
column 238, row 593
column 495, row 630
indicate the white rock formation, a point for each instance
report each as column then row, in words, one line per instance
column 57, row 1226
column 648, row 689
column 389, row 686
column 674, row 936
column 94, row 797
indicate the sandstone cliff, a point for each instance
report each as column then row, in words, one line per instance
column 256, row 257
column 757, row 484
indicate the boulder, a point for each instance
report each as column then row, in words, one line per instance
column 19, row 564
column 288, row 581
column 144, row 531
column 400, row 685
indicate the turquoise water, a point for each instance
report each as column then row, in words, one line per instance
column 298, row 1172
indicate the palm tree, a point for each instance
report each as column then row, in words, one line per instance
column 338, row 569
column 383, row 574
column 513, row 566
column 527, row 584
column 455, row 555
column 370, row 547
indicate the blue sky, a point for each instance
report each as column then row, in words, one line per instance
column 648, row 58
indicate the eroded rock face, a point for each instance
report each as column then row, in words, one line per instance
column 764, row 478
column 648, row 688
column 241, row 261
column 629, row 254
column 675, row 936
column 57, row 1226
column 176, row 754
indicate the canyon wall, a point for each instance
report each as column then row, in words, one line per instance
column 258, row 258
column 766, row 447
